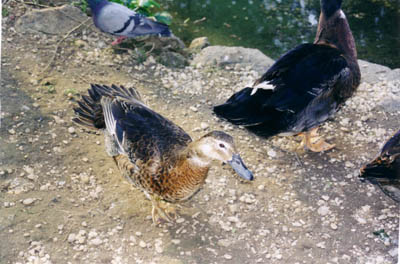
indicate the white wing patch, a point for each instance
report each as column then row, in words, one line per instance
column 263, row 85
column 342, row 15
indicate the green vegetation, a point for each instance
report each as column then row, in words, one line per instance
column 4, row 12
column 71, row 91
column 82, row 4
column 148, row 8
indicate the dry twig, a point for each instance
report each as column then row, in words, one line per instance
column 58, row 44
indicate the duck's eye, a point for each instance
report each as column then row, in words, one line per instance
column 222, row 145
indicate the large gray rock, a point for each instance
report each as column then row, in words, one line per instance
column 372, row 73
column 222, row 56
column 54, row 20
column 393, row 75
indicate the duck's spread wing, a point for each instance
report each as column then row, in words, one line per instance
column 141, row 133
column 302, row 74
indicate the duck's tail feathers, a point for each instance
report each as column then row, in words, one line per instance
column 378, row 170
column 90, row 112
column 249, row 110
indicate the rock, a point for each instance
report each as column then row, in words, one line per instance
column 391, row 105
column 173, row 59
column 204, row 125
column 198, row 44
column 28, row 201
column 180, row 220
column 80, row 43
column 371, row 72
column 323, row 210
column 224, row 242
column 271, row 153
column 222, row 56
column 142, row 244
column 71, row 238
column 175, row 241
column 71, row 130
column 393, row 75
column 96, row 241
column 227, row 256
column 54, row 20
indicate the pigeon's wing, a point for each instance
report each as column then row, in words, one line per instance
column 119, row 20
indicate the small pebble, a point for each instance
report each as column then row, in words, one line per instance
column 71, row 130
column 28, row 201
column 142, row 244
column 227, row 256
column 71, row 237
column 323, row 210
column 175, row 241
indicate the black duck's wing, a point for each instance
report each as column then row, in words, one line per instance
column 141, row 133
column 302, row 74
column 302, row 78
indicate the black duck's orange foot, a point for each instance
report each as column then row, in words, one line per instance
column 312, row 141
column 320, row 145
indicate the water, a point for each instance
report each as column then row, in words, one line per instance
column 275, row 26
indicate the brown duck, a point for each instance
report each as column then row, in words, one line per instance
column 304, row 88
column 153, row 153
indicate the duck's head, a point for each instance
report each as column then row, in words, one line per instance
column 219, row 146
column 329, row 7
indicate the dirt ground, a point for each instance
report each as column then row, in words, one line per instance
column 62, row 200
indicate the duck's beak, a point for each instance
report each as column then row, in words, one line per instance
column 241, row 169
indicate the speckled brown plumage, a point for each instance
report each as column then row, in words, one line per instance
column 152, row 153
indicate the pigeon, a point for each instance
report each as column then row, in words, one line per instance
column 121, row 21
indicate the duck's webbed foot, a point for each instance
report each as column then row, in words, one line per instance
column 314, row 142
column 164, row 211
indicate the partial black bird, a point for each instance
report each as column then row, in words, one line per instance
column 384, row 170
column 304, row 88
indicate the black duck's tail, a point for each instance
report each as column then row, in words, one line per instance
column 252, row 111
column 90, row 112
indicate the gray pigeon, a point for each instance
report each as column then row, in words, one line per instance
column 121, row 21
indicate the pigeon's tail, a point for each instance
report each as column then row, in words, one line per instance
column 145, row 26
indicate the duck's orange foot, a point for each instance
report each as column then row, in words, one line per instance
column 166, row 212
column 319, row 145
column 312, row 141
